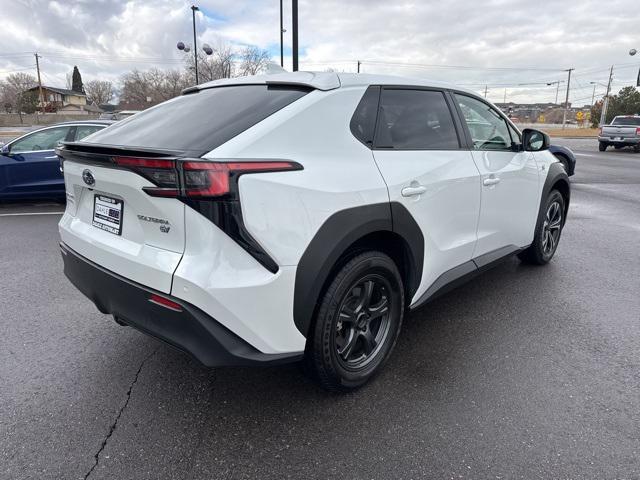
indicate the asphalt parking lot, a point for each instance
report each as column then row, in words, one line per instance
column 523, row 373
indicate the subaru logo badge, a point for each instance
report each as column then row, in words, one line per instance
column 87, row 176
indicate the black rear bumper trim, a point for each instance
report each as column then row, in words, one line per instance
column 190, row 330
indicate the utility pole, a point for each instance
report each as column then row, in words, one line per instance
column 195, row 45
column 566, row 102
column 605, row 105
column 281, row 38
column 485, row 91
column 557, row 91
column 358, row 66
column 294, row 33
column 593, row 95
column 39, row 82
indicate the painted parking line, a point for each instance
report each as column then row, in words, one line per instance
column 29, row 213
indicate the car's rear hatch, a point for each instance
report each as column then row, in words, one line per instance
column 126, row 188
column 111, row 221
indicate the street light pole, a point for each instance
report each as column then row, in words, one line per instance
column 593, row 95
column 294, row 33
column 195, row 45
column 281, row 38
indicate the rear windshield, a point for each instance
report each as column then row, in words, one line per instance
column 626, row 121
column 198, row 122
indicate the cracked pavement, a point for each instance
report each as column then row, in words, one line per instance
column 522, row 373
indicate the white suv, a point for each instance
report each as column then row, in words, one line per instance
column 270, row 219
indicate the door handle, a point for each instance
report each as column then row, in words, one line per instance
column 413, row 190
column 50, row 158
column 487, row 182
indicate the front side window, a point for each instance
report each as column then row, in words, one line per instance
column 488, row 129
column 415, row 120
column 43, row 140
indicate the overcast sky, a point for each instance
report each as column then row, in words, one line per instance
column 501, row 43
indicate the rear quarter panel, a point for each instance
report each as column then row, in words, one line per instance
column 283, row 211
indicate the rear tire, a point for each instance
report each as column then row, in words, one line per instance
column 548, row 231
column 602, row 146
column 357, row 323
column 636, row 148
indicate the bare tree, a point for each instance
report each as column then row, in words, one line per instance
column 144, row 89
column 211, row 67
column 99, row 91
column 13, row 90
column 253, row 60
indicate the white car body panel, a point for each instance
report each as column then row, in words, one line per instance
column 217, row 276
column 143, row 253
column 283, row 211
column 509, row 208
column 447, row 212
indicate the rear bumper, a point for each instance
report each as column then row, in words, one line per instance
column 618, row 141
column 191, row 330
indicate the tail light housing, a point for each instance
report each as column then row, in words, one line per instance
column 198, row 178
column 638, row 131
column 600, row 131
column 209, row 187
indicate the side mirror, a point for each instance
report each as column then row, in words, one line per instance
column 4, row 149
column 535, row 140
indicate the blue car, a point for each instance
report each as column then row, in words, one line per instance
column 29, row 167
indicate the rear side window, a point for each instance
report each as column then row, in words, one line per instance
column 415, row 120
column 626, row 121
column 201, row 121
column 363, row 122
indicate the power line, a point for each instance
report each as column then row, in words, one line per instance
column 459, row 67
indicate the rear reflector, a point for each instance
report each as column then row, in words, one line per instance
column 165, row 302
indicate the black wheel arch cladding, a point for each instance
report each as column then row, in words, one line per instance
column 557, row 179
column 337, row 234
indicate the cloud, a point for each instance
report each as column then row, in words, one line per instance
column 536, row 40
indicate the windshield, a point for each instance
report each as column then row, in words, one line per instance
column 626, row 121
column 199, row 122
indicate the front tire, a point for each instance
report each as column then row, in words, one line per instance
column 357, row 323
column 548, row 231
column 602, row 146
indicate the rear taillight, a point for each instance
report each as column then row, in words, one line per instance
column 638, row 131
column 215, row 179
column 209, row 187
column 600, row 131
column 159, row 171
column 197, row 178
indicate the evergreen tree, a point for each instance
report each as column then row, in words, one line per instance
column 76, row 81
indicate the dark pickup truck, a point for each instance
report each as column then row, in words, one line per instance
column 624, row 131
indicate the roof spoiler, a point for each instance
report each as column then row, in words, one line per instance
column 316, row 80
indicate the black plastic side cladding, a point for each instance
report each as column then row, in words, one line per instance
column 335, row 236
column 556, row 176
